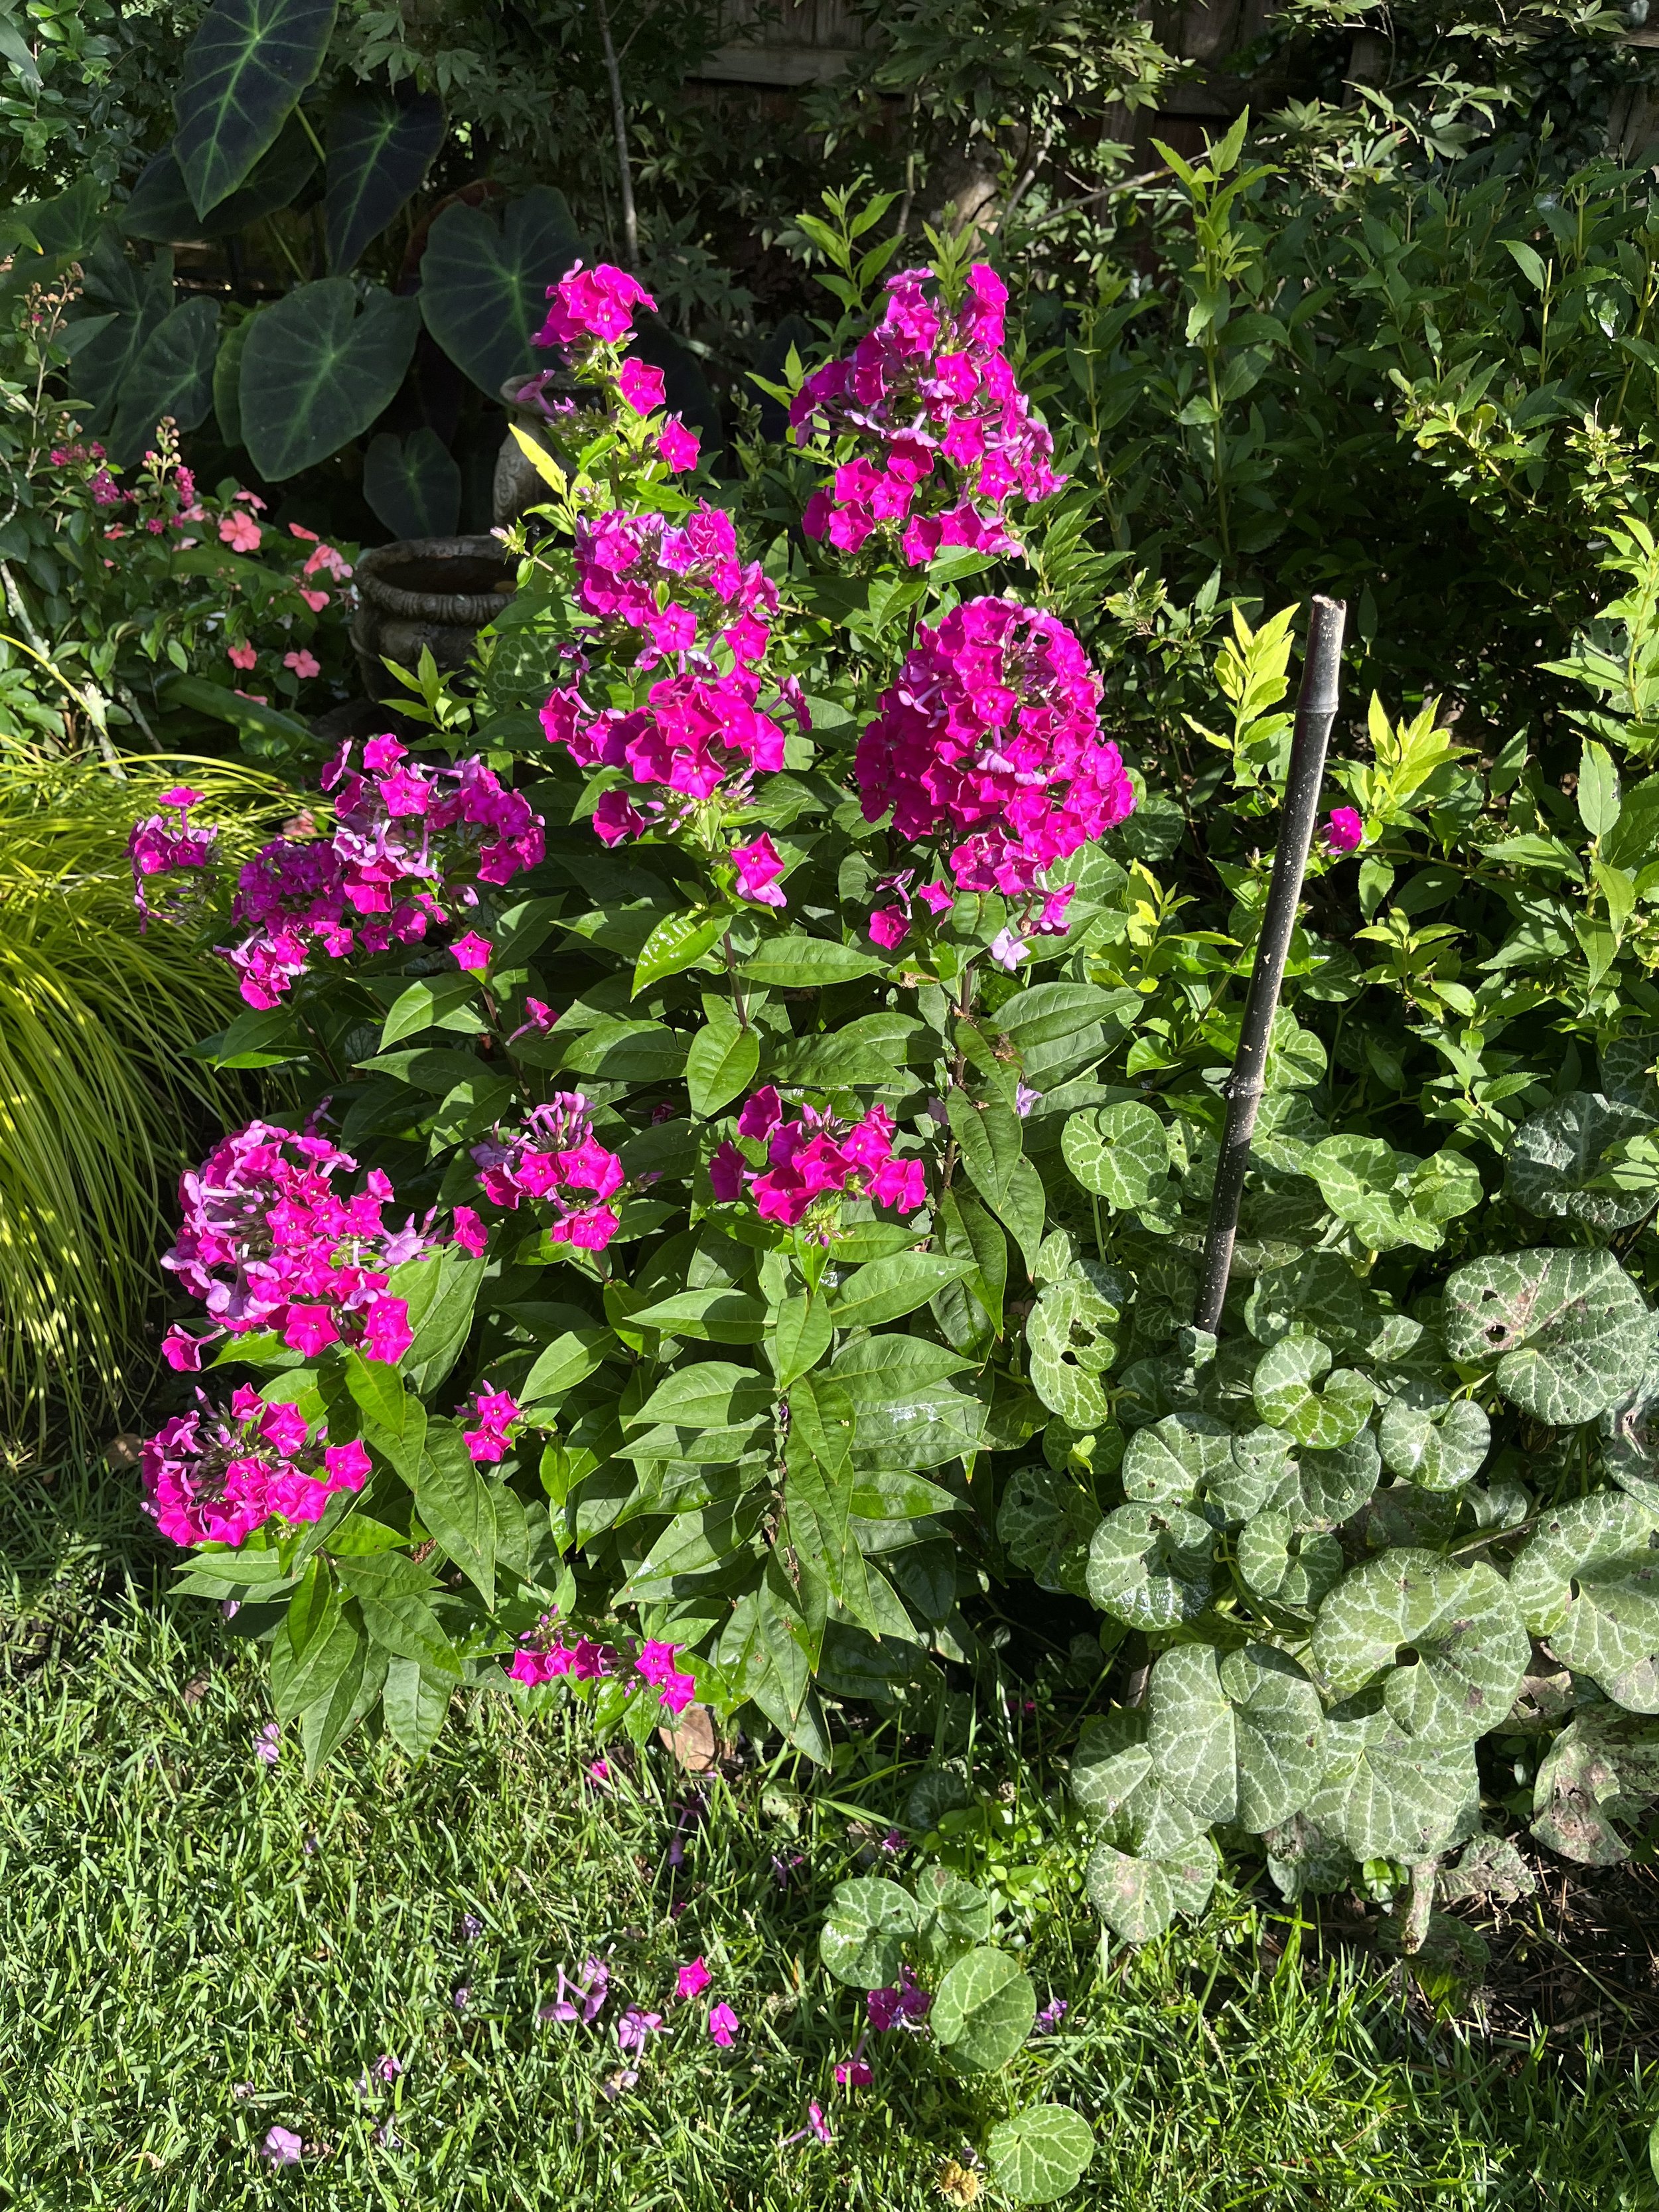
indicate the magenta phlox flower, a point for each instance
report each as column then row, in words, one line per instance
column 1345, row 832
column 493, row 1414
column 472, row 952
column 583, row 1999
column 990, row 734
column 815, row 1159
column 592, row 303
column 655, row 1665
column 723, row 2026
column 1050, row 2017
column 634, row 2027
column 692, row 1980
column 758, row 865
column 640, row 385
column 677, row 446
column 214, row 1475
column 171, row 861
column 556, row 1160
column 854, row 2073
column 947, row 437
column 906, row 2004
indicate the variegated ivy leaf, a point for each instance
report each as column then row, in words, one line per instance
column 1445, row 1644
column 1285, row 1398
column 1436, row 1441
column 1293, row 1567
column 983, row 2011
column 954, row 1915
column 1387, row 1198
column 1070, row 1334
column 1331, row 1485
column 1557, row 1156
column 864, row 1936
column 1118, row 1784
column 1120, row 1153
column 1569, row 1330
column 1176, row 1458
column 1236, row 1738
column 1320, row 1294
column 1139, row 1897
column 1627, row 1077
column 1603, row 1766
column 1387, row 1796
column 1040, row 2154
column 1630, row 1430
column 1044, row 1522
column 1260, row 1472
column 1150, row 1566
column 1589, row 1581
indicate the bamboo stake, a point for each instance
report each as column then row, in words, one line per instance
column 1315, row 710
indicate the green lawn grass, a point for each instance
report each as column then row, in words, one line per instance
column 194, row 1948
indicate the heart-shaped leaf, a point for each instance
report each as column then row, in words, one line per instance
column 413, row 483
column 953, row 1912
column 1139, row 1897
column 1293, row 1567
column 1238, row 1738
column 865, row 1934
column 1177, row 1458
column 1589, row 1581
column 984, row 2009
column 379, row 149
column 1387, row 1198
column 1569, row 1330
column 1386, row 1796
column 1318, row 1294
column 1436, row 1441
column 1040, row 2154
column 160, row 206
column 1630, row 1432
column 1445, row 1643
column 243, row 72
column 317, row 370
column 1284, row 1397
column 1150, row 1566
column 1044, row 1523
column 1557, row 1156
column 1071, row 1333
column 1120, row 1153
column 721, row 1061
column 485, row 280
column 171, row 374
column 1603, row 1766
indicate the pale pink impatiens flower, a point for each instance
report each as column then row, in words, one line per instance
column 241, row 532
column 241, row 656
column 303, row 664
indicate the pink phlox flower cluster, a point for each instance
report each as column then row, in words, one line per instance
column 556, row 1159
column 410, row 843
column 583, row 1999
column 758, row 865
column 697, row 735
column 889, row 926
column 815, row 1156
column 680, row 587
column 269, row 1240
column 173, row 852
column 544, row 1655
column 493, row 1414
column 588, row 304
column 948, row 437
column 991, row 732
column 209, row 1478
column 907, row 2004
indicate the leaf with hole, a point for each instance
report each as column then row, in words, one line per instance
column 1070, row 1334
column 1293, row 1567
column 1150, row 1566
column 379, row 147
column 1603, row 1767
column 1177, row 1459
column 485, row 280
column 1121, row 1153
column 1589, row 1580
column 1569, row 1330
column 1445, row 1645
column 1039, row 2155
column 317, row 368
column 983, row 2011
column 243, row 74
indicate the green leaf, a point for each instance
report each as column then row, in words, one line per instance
column 317, row 368
column 569, row 1359
column 379, row 149
column 441, row 1291
column 1293, row 1567
column 887, row 1290
column 721, row 1061
column 809, row 963
column 967, row 1231
column 424, row 1003
column 1137, row 1897
column 1040, row 2154
column 327, row 1721
column 678, row 942
column 1433, row 1440
column 1556, row 1156
column 953, row 1910
column 625, row 1051
column 1598, row 789
column 712, row 1395
column 1569, row 1330
column 983, row 2011
column 415, row 1704
column 908, row 1410
column 1177, row 1459
column 1445, row 1645
column 1236, row 1737
column 484, row 279
column 1285, row 1398
column 990, row 1138
column 1603, row 1767
column 1589, row 1581
column 1071, row 1333
column 413, row 483
column 172, row 375
column 1046, row 1012
column 378, row 1389
column 874, row 1049
column 1387, row 1795
column 1390, row 1198
column 719, row 1315
column 243, row 72
column 1044, row 1523
column 818, row 1499
column 158, row 207
column 1120, row 1153
column 865, row 1932
column 801, row 1333
column 1150, row 1566
column 457, row 1505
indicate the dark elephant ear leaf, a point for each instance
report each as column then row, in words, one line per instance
column 243, row 74
column 379, row 149
column 171, row 374
column 413, row 484
column 316, row 371
column 160, row 206
column 485, row 280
